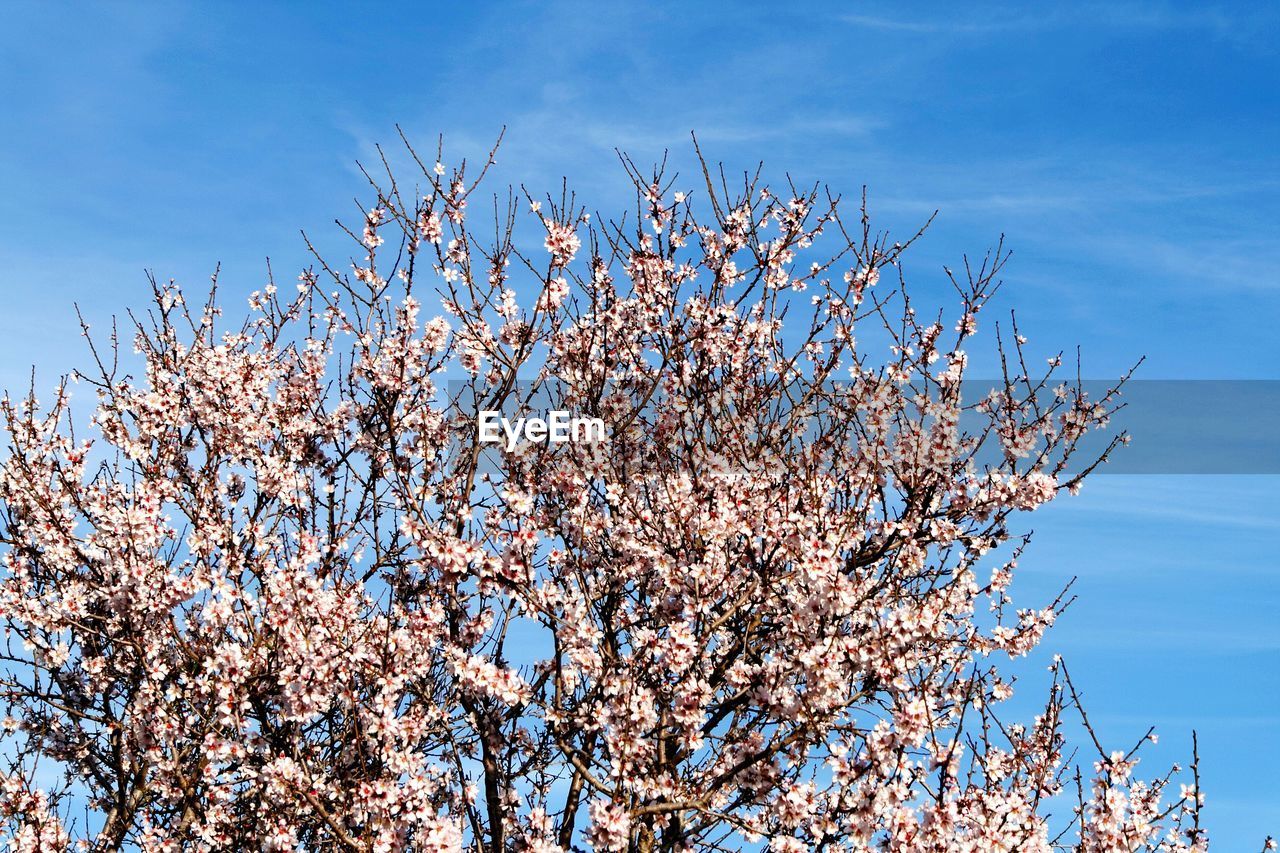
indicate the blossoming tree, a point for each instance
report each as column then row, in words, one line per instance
column 280, row 597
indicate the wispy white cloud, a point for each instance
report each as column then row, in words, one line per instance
column 1233, row 502
column 1201, row 639
column 1197, row 722
column 1118, row 16
column 951, row 27
column 1207, row 263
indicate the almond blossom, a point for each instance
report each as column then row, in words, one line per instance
column 278, row 596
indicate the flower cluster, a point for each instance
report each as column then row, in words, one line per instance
column 283, row 598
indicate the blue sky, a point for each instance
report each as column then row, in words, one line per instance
column 1127, row 150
